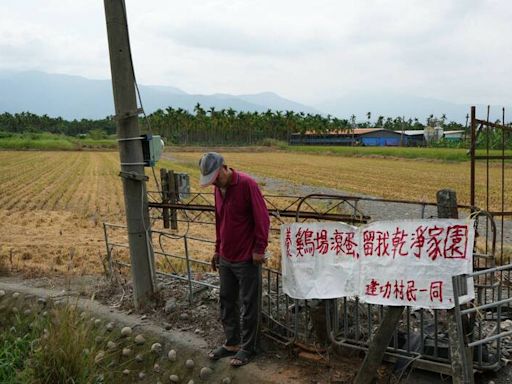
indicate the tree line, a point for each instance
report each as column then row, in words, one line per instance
column 219, row 127
column 229, row 127
column 27, row 122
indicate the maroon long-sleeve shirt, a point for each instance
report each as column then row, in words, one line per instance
column 241, row 219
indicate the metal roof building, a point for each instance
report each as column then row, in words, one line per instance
column 358, row 136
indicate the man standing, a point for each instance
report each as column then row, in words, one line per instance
column 242, row 226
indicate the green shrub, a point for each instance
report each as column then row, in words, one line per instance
column 97, row 134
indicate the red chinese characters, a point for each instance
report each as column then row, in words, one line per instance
column 418, row 241
column 288, row 242
column 411, row 290
column 404, row 291
column 385, row 290
column 322, row 243
column 372, row 289
column 398, row 242
column 368, row 239
column 380, row 243
column 435, row 242
column 456, row 242
column 376, row 243
column 398, row 289
column 436, row 291
column 318, row 243
column 304, row 242
column 344, row 243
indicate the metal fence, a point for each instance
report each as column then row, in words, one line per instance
column 422, row 336
column 480, row 324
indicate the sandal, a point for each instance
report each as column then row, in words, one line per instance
column 241, row 358
column 220, row 352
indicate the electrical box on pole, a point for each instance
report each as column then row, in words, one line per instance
column 152, row 148
column 131, row 153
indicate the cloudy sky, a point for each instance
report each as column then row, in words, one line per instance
column 308, row 51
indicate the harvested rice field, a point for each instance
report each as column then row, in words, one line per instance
column 53, row 204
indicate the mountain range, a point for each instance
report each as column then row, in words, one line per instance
column 76, row 97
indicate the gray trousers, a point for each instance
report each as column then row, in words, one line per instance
column 240, row 292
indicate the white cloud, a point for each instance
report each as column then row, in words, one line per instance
column 307, row 51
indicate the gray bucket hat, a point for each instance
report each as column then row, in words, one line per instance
column 210, row 165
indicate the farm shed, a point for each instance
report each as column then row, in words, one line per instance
column 415, row 138
column 320, row 139
column 381, row 137
column 454, row 135
column 345, row 137
column 361, row 136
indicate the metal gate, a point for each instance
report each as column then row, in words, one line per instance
column 422, row 336
column 491, row 170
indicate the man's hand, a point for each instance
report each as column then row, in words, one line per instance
column 258, row 258
column 215, row 262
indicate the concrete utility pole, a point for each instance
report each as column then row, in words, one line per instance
column 130, row 152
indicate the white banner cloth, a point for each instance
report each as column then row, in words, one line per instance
column 406, row 262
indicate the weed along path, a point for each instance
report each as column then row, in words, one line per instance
column 131, row 348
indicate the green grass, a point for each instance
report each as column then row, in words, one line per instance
column 35, row 141
column 48, row 141
column 444, row 154
column 60, row 357
column 15, row 346
column 52, row 344
column 97, row 144
column 57, row 348
column 39, row 349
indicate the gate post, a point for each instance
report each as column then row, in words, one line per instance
column 165, row 195
column 378, row 345
column 461, row 361
column 173, row 198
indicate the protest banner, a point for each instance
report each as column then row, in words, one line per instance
column 403, row 262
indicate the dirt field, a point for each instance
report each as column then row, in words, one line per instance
column 53, row 204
